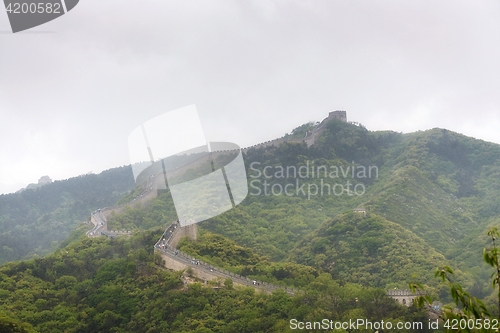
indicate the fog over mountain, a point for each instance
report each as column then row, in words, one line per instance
column 73, row 89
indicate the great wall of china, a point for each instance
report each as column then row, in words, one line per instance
column 166, row 247
column 172, row 258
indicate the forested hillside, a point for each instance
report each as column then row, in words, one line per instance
column 374, row 252
column 431, row 201
column 422, row 199
column 98, row 285
column 34, row 221
column 429, row 192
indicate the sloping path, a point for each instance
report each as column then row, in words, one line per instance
column 163, row 245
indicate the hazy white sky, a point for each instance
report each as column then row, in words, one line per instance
column 72, row 90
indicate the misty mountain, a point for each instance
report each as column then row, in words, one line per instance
column 34, row 221
column 428, row 197
column 434, row 191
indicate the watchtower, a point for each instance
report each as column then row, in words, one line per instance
column 338, row 115
column 403, row 296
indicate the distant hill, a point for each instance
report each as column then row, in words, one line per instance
column 370, row 250
column 437, row 188
column 34, row 221
column 44, row 180
column 433, row 193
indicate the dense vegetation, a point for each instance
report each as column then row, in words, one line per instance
column 368, row 249
column 468, row 313
column 433, row 193
column 429, row 201
column 98, row 285
column 159, row 212
column 34, row 221
column 437, row 185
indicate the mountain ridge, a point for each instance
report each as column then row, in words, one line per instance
column 436, row 184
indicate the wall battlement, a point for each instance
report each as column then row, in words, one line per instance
column 338, row 115
column 402, row 296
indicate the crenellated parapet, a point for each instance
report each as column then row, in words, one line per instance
column 402, row 296
column 174, row 259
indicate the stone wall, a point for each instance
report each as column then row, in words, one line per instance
column 339, row 115
column 93, row 219
column 138, row 202
column 205, row 276
column 171, row 263
column 402, row 296
column 272, row 143
column 189, row 231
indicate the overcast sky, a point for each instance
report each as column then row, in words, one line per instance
column 72, row 90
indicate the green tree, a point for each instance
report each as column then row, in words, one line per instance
column 9, row 325
column 469, row 309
